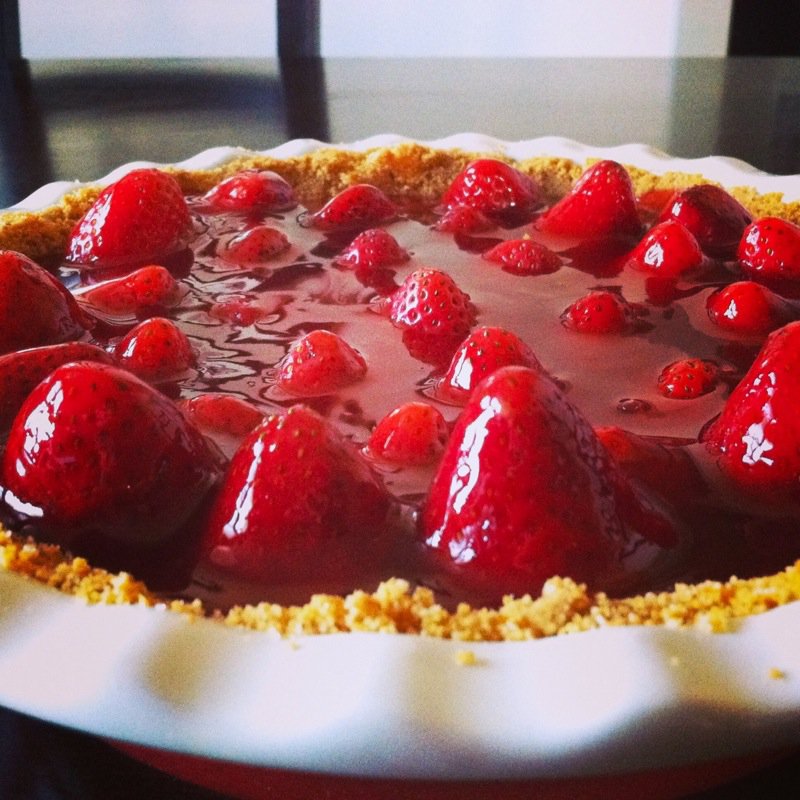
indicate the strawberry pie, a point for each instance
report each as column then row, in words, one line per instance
column 405, row 389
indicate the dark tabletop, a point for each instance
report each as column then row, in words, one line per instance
column 78, row 120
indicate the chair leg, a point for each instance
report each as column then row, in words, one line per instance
column 298, row 28
column 10, row 42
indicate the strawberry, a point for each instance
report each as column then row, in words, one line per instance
column 748, row 308
column 601, row 203
column 222, row 412
column 35, row 309
column 319, row 363
column 483, row 352
column 297, row 503
column 668, row 249
column 688, row 378
column 524, row 492
column 238, row 309
column 769, row 250
column 412, row 434
column 371, row 250
column 147, row 288
column 429, row 302
column 255, row 245
column 156, row 349
column 224, row 418
column 21, row 371
column 464, row 220
column 599, row 311
column 523, row 257
column 715, row 218
column 251, row 190
column 756, row 438
column 141, row 218
column 96, row 452
column 355, row 208
column 496, row 189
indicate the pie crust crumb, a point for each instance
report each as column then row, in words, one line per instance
column 395, row 607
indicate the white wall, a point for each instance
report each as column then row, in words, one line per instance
column 246, row 28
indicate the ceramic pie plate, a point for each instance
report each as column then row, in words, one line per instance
column 376, row 707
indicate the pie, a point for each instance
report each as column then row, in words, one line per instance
column 406, row 389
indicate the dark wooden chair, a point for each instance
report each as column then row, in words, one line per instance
column 764, row 28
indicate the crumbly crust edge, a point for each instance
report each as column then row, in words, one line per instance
column 409, row 173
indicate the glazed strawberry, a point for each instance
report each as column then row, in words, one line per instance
column 663, row 466
column 756, row 438
column 21, row 371
column 496, row 189
column 372, row 249
column 413, row 434
column 668, row 249
column 355, row 208
column 318, row 363
column 155, row 350
column 688, row 378
column 96, row 452
column 769, row 250
column 523, row 257
column 601, row 203
column 463, row 219
column 255, row 245
column 748, row 308
column 238, row 309
column 252, row 190
column 35, row 309
column 145, row 289
column 429, row 302
column 141, row 218
column 524, row 492
column 716, row 219
column 224, row 418
column 483, row 352
column 599, row 311
column 297, row 503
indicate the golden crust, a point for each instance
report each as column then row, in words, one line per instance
column 409, row 173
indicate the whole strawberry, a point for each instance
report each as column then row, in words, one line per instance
column 430, row 302
column 141, row 218
column 155, row 350
column 412, row 434
column 251, row 190
column 688, row 378
column 318, row 363
column 716, row 219
column 523, row 492
column 355, row 208
column 748, row 308
column 769, row 250
column 483, row 352
column 296, row 503
column 523, row 257
column 35, row 309
column 372, row 249
column 150, row 287
column 499, row 191
column 22, row 370
column 668, row 249
column 601, row 203
column 599, row 311
column 756, row 438
column 95, row 452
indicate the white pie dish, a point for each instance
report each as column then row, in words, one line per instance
column 608, row 701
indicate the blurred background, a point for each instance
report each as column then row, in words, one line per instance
column 92, row 84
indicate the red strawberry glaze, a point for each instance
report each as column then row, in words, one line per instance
column 242, row 319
